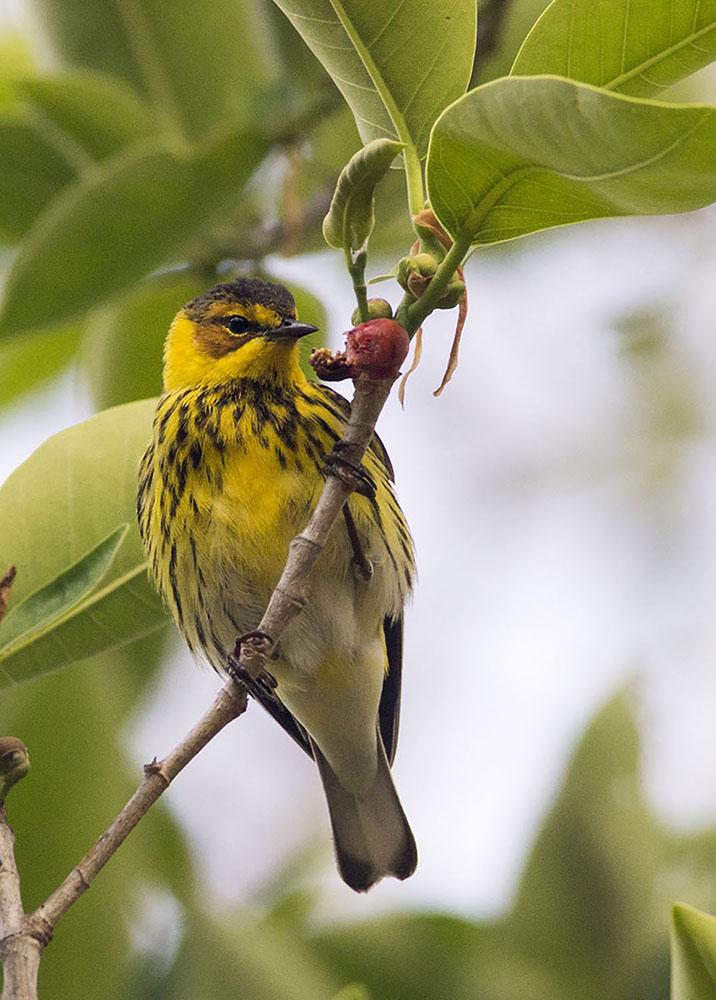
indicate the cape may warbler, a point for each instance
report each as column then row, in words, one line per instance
column 232, row 474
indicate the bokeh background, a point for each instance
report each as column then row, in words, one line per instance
column 558, row 752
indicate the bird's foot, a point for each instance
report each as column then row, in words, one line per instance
column 251, row 645
column 351, row 475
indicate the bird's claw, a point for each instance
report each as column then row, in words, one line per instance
column 252, row 644
column 351, row 475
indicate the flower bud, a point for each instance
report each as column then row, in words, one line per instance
column 427, row 264
column 377, row 309
column 452, row 295
column 406, row 267
column 14, row 763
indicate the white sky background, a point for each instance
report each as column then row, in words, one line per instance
column 566, row 543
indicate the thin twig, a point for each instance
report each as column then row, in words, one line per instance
column 22, row 937
column 229, row 704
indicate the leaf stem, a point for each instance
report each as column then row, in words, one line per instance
column 414, row 179
column 356, row 269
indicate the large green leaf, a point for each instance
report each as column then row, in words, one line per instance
column 99, row 114
column 62, row 502
column 27, row 362
column 198, row 64
column 586, row 905
column 252, row 959
column 397, row 64
column 426, row 955
column 135, row 212
column 636, row 47
column 693, row 954
column 527, row 153
column 32, row 172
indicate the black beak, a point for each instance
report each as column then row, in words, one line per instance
column 290, row 329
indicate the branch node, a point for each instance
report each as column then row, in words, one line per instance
column 84, row 881
column 155, row 768
column 297, row 603
column 38, row 928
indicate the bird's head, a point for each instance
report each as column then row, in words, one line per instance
column 238, row 329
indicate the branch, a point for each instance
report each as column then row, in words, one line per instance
column 229, row 704
column 20, row 951
column 23, row 937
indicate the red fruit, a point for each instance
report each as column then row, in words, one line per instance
column 379, row 347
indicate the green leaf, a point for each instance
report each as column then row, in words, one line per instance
column 98, row 113
column 252, row 959
column 693, row 954
column 32, row 172
column 397, row 64
column 528, row 153
column 636, row 47
column 43, row 610
column 351, row 217
column 61, row 503
column 136, row 212
column 585, row 908
column 403, row 957
column 28, row 362
column 198, row 64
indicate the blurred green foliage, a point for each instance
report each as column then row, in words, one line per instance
column 173, row 144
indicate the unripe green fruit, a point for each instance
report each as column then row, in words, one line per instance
column 377, row 309
column 453, row 293
column 427, row 265
column 406, row 267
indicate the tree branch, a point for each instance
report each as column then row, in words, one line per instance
column 22, row 937
column 20, row 951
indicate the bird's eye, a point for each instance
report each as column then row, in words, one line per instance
column 237, row 324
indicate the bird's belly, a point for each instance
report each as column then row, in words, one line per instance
column 237, row 548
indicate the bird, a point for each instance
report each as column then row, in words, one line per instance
column 233, row 471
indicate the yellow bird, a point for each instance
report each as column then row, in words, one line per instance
column 232, row 474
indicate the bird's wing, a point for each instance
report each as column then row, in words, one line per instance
column 389, row 708
column 269, row 700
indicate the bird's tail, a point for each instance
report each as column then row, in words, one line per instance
column 371, row 835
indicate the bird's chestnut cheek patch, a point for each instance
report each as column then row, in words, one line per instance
column 216, row 341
